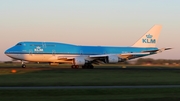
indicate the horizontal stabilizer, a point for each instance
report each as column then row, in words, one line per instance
column 163, row 49
column 158, row 50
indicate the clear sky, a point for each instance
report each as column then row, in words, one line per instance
column 89, row 22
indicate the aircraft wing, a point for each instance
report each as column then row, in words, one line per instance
column 128, row 56
column 131, row 55
column 124, row 54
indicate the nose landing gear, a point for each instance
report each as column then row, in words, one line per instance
column 23, row 65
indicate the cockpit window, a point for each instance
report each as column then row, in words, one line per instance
column 19, row 44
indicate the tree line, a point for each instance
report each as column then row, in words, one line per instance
column 141, row 61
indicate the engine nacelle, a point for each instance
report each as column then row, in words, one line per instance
column 113, row 59
column 79, row 61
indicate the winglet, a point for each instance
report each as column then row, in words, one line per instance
column 150, row 38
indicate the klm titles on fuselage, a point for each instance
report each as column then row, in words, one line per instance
column 38, row 49
column 149, row 39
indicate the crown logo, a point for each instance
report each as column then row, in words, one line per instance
column 149, row 36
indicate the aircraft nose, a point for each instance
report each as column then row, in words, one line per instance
column 6, row 52
column 13, row 52
column 9, row 52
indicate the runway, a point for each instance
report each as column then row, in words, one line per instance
column 91, row 87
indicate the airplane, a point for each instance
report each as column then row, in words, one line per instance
column 56, row 53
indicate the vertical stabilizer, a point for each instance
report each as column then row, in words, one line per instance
column 150, row 38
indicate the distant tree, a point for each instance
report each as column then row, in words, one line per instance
column 8, row 62
column 145, row 61
column 141, row 61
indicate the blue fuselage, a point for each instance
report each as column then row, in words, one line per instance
column 62, row 48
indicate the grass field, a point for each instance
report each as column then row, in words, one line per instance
column 89, row 77
column 43, row 75
column 163, row 94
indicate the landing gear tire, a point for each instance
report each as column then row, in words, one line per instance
column 91, row 67
column 88, row 66
column 83, row 67
column 74, row 66
column 23, row 66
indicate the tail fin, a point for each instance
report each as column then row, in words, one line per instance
column 150, row 38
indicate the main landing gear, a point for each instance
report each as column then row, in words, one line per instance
column 88, row 66
column 85, row 66
column 74, row 66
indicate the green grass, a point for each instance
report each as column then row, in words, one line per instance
column 41, row 65
column 43, row 75
column 32, row 65
column 162, row 94
column 88, row 77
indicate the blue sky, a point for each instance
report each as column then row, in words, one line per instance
column 89, row 22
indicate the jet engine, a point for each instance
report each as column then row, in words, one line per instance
column 79, row 61
column 113, row 59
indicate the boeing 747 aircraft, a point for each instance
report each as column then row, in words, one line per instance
column 85, row 56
